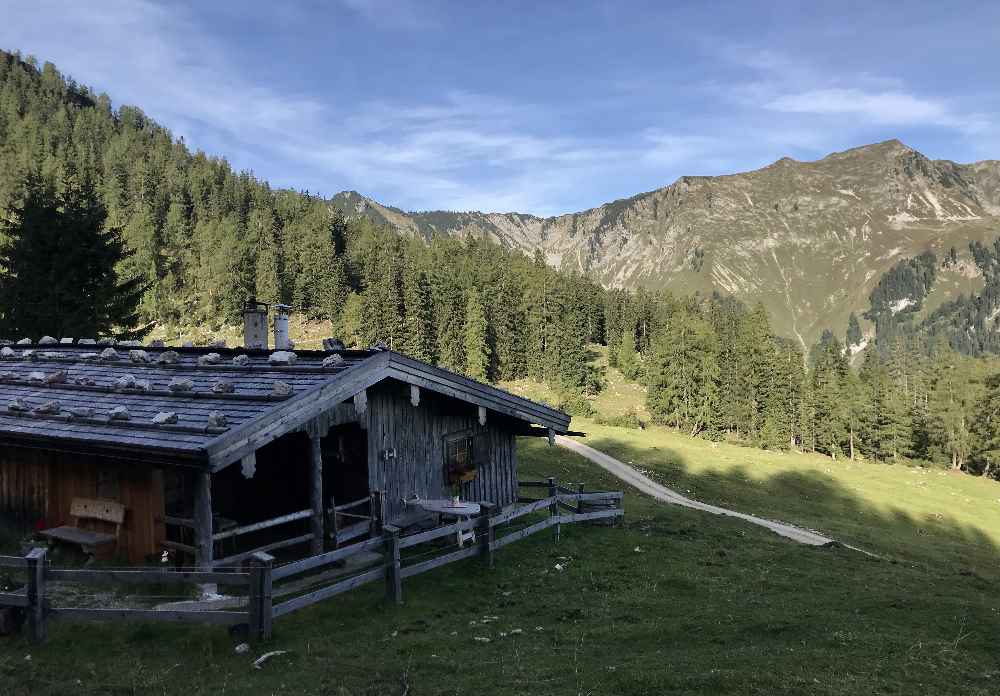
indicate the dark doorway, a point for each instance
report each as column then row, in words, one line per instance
column 345, row 464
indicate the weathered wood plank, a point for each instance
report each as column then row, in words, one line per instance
column 14, row 599
column 424, row 566
column 438, row 532
column 13, row 562
column 223, row 618
column 178, row 546
column 522, row 533
column 284, row 543
column 327, row 592
column 353, row 531
column 514, row 513
column 316, row 491
column 134, row 577
column 325, row 559
column 203, row 519
column 596, row 515
column 264, row 524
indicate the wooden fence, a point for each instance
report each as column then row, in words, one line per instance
column 493, row 530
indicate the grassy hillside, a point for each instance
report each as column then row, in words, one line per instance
column 675, row 601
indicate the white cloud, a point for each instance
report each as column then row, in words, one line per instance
column 877, row 107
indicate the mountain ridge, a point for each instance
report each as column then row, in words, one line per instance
column 808, row 239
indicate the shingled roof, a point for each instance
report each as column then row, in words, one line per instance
column 224, row 403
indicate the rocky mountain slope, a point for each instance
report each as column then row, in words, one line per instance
column 808, row 239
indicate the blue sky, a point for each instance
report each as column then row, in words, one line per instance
column 541, row 107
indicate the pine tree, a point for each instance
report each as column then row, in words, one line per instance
column 477, row 350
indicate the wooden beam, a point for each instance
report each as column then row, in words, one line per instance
column 248, row 465
column 361, row 403
column 203, row 541
column 316, row 493
column 263, row 524
column 482, row 415
column 552, row 437
column 414, row 395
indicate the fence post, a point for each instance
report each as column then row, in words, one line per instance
column 579, row 503
column 37, row 628
column 487, row 534
column 393, row 578
column 261, row 599
column 554, row 507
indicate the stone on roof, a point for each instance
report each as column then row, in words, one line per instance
column 282, row 357
column 168, row 357
column 47, row 341
column 165, row 418
column 139, row 356
column 209, row 359
column 180, row 384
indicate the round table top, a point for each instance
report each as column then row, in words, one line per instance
column 447, row 507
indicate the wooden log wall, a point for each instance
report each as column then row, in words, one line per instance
column 418, row 433
column 38, row 486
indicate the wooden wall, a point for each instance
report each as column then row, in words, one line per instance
column 418, row 434
column 38, row 486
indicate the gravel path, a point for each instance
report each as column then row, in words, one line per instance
column 650, row 487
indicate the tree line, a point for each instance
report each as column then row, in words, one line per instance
column 713, row 368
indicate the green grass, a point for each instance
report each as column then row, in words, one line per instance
column 910, row 513
column 675, row 601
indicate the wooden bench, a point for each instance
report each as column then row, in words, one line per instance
column 85, row 510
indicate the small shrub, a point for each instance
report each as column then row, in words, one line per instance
column 629, row 419
column 576, row 405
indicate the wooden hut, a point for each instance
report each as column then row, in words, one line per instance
column 216, row 452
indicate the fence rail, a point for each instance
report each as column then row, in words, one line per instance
column 261, row 611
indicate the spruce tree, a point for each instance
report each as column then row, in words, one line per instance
column 477, row 350
column 853, row 331
column 59, row 264
column 418, row 334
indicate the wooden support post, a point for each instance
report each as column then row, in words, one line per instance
column 554, row 507
column 579, row 503
column 333, row 521
column 376, row 513
column 37, row 628
column 316, row 493
column 482, row 415
column 487, row 533
column 203, row 542
column 361, row 408
column 552, row 437
column 393, row 575
column 414, row 395
column 260, row 597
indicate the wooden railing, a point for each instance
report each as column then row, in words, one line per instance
column 366, row 524
column 38, row 606
column 494, row 529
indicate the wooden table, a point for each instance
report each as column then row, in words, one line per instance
column 464, row 510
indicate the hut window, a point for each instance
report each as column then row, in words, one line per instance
column 459, row 464
column 108, row 485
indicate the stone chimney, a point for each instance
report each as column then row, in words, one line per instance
column 255, row 324
column 281, row 341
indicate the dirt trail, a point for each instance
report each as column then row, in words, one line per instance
column 650, row 487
